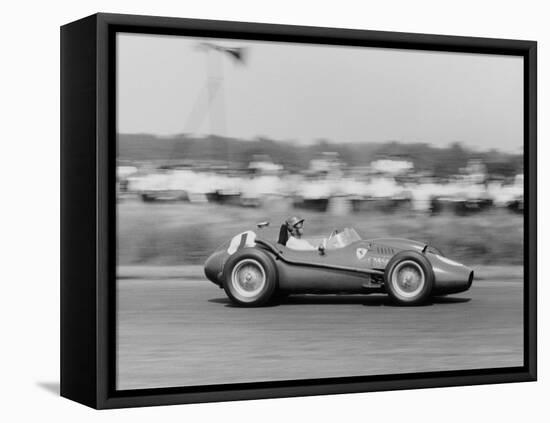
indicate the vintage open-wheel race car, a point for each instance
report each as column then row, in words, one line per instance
column 254, row 271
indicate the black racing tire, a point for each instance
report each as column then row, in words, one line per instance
column 409, row 278
column 250, row 278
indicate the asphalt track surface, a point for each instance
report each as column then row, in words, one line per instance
column 186, row 332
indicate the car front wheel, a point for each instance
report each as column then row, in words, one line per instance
column 409, row 278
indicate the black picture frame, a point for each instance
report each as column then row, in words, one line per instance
column 88, row 198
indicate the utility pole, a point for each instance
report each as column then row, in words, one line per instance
column 213, row 90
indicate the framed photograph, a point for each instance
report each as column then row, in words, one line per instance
column 256, row 211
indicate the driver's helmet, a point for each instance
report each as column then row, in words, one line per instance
column 294, row 224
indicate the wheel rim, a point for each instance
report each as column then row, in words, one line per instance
column 248, row 279
column 408, row 279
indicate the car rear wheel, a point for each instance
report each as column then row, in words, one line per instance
column 250, row 278
column 409, row 278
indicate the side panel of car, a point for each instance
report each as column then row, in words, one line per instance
column 352, row 256
column 297, row 278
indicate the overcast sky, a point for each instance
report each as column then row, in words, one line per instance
column 308, row 92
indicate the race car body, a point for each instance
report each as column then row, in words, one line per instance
column 253, row 270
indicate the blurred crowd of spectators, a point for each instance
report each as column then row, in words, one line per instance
column 327, row 185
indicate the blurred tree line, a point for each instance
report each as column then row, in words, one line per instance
column 440, row 162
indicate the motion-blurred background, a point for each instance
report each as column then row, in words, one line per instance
column 400, row 143
column 179, row 199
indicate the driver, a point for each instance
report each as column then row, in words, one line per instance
column 295, row 228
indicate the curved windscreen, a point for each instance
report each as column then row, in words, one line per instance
column 343, row 238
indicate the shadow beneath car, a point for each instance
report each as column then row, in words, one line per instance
column 365, row 300
column 220, row 300
column 370, row 300
column 227, row 303
column 449, row 300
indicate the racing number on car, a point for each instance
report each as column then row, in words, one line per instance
column 380, row 262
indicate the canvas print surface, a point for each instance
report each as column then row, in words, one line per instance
column 293, row 211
